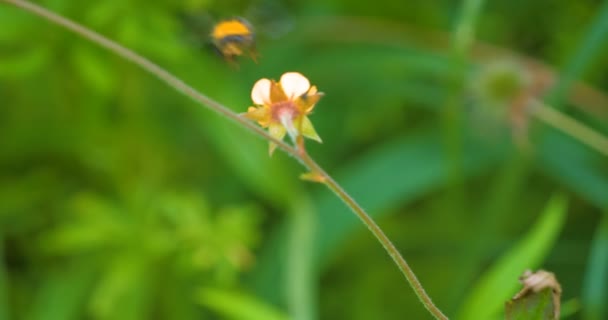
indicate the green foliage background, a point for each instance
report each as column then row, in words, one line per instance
column 121, row 199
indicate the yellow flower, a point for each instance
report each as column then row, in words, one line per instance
column 283, row 107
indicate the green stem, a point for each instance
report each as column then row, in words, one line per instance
column 376, row 231
column 575, row 129
column 464, row 35
column 189, row 91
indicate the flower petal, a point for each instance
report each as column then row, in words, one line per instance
column 294, row 84
column 260, row 94
column 308, row 130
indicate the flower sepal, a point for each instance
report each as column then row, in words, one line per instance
column 313, row 177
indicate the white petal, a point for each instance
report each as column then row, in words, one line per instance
column 294, row 84
column 260, row 94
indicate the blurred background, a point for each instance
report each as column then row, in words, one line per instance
column 122, row 199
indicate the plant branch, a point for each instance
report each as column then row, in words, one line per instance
column 299, row 153
column 568, row 125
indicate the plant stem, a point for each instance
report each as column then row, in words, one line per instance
column 299, row 153
column 577, row 130
column 375, row 229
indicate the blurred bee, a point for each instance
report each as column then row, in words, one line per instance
column 234, row 37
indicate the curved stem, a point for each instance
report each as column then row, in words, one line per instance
column 575, row 129
column 375, row 229
column 299, row 153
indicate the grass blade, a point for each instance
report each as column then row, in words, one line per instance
column 574, row 165
column 301, row 274
column 595, row 288
column 499, row 283
column 4, row 305
column 588, row 50
column 238, row 306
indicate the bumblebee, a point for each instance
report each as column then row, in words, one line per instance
column 234, row 37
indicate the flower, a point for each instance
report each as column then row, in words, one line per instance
column 283, row 107
column 498, row 84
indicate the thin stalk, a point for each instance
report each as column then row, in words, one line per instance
column 575, row 129
column 375, row 229
column 299, row 153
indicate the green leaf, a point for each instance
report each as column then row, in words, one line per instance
column 62, row 295
column 539, row 299
column 237, row 306
column 301, row 279
column 464, row 34
column 20, row 24
column 575, row 165
column 123, row 290
column 495, row 211
column 23, row 63
column 93, row 226
column 570, row 307
column 595, row 286
column 587, row 52
column 94, row 69
column 4, row 289
column 497, row 284
column 533, row 307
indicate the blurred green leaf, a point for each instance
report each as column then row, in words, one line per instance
column 4, row 288
column 301, row 281
column 533, row 307
column 62, row 295
column 160, row 39
column 595, row 287
column 58, row 5
column 570, row 308
column 19, row 22
column 464, row 33
column 496, row 210
column 23, row 63
column 94, row 226
column 103, row 13
column 237, row 306
column 498, row 283
column 122, row 291
column 94, row 69
column 581, row 169
column 585, row 55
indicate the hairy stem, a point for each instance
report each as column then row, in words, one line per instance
column 374, row 229
column 575, row 129
column 299, row 153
